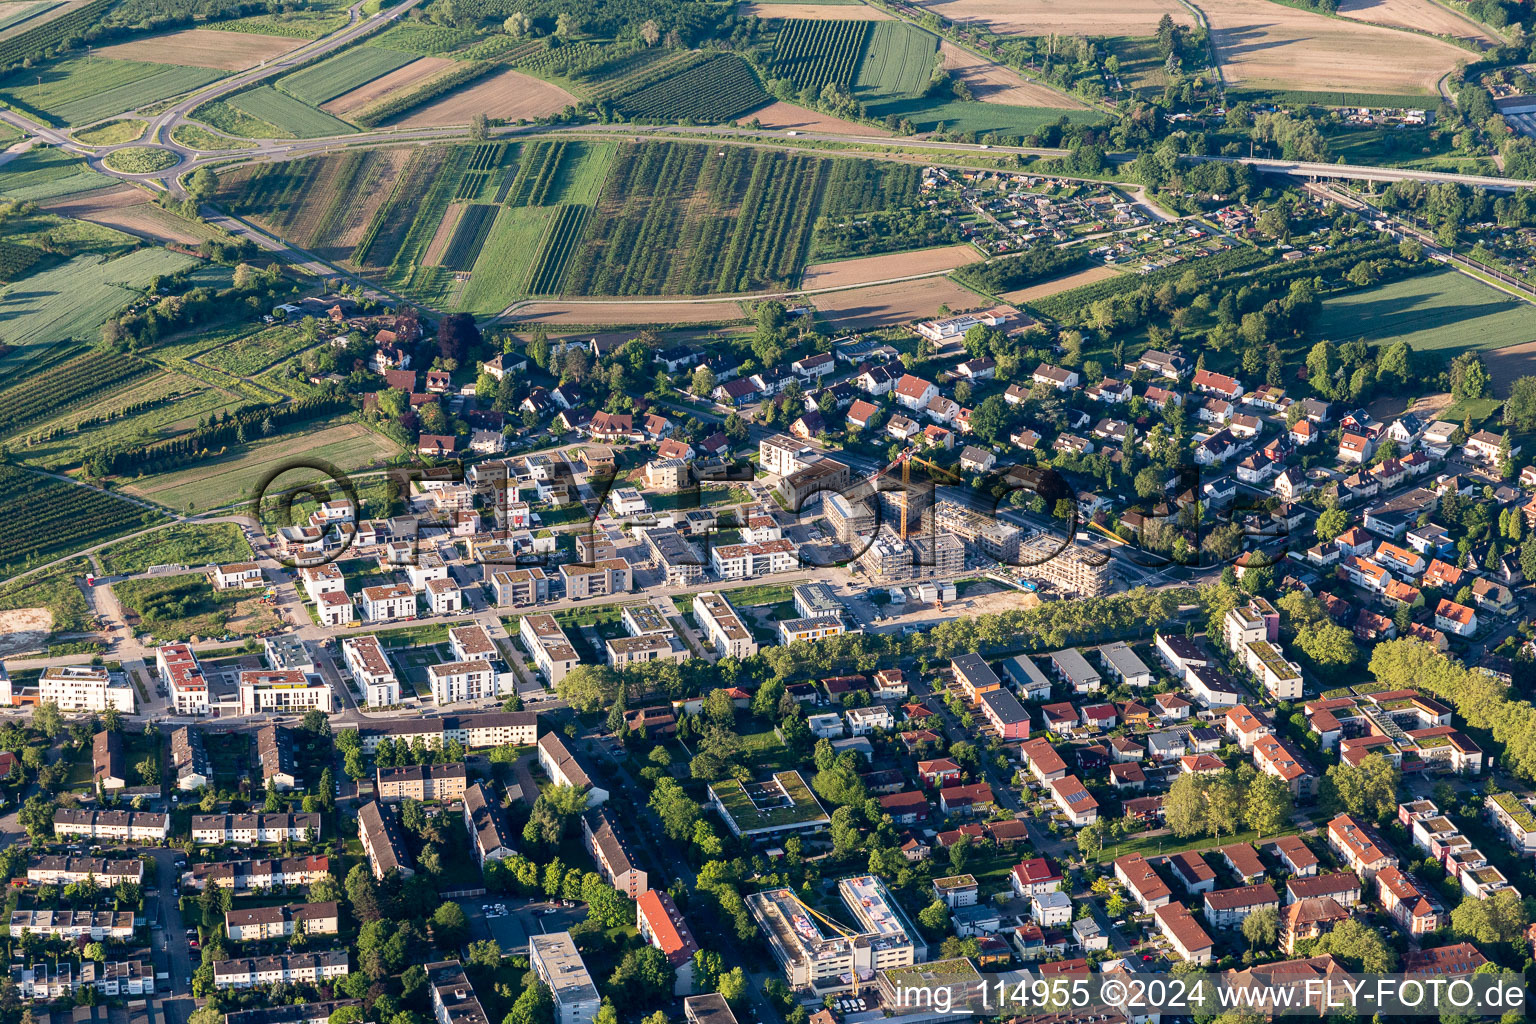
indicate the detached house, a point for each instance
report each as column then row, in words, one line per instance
column 1055, row 376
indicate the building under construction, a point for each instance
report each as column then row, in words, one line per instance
column 988, row 534
column 825, row 956
column 1066, row 565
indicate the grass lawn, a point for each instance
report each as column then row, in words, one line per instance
column 1441, row 311
column 765, row 752
column 1155, row 846
column 501, row 270
column 1479, row 409
column 425, row 634
column 112, row 133
column 760, row 593
column 191, row 544
column 224, row 481
column 86, row 89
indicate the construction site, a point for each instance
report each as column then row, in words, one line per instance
column 826, row 957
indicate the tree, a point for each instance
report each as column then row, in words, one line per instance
column 1500, row 918
column 703, row 382
column 1327, row 645
column 934, row 917
column 479, row 126
column 46, row 718
column 1469, row 378
column 1268, row 805
column 1359, row 946
column 202, row 184
column 449, row 926
column 517, row 25
column 534, row 1005
column 1261, row 928
column 1331, row 522
column 1367, row 789
column 1184, row 806
column 733, row 986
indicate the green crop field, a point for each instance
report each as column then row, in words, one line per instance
column 41, row 518
column 85, row 89
column 70, row 302
column 87, row 378
column 502, row 269
column 305, row 122
column 1443, row 310
column 330, row 78
column 897, row 61
column 192, row 544
column 47, row 173
column 469, row 236
column 928, row 114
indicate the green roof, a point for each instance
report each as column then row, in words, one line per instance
column 749, row 817
column 1516, row 809
column 942, row 972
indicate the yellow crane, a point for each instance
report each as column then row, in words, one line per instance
column 906, row 459
column 840, row 929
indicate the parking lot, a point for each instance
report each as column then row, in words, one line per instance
column 521, row 919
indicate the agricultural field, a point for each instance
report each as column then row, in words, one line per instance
column 46, row 394
column 897, row 61
column 42, row 518
column 1442, row 311
column 781, row 116
column 284, row 112
column 1262, row 45
column 219, row 482
column 129, row 209
column 870, row 269
column 993, row 83
column 509, row 250
column 734, row 222
column 69, row 303
column 720, row 89
column 887, row 305
column 814, row 54
column 16, row 261
column 322, row 203
column 1419, row 15
column 81, row 90
column 976, row 116
column 192, row 544
column 20, row 15
column 1062, row 17
column 508, row 94
column 351, row 69
column 194, row 136
column 294, row 24
column 401, row 80
column 831, row 10
column 159, row 406
column 37, row 30
column 203, row 48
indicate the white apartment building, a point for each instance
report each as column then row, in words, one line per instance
column 388, row 603
column 178, row 668
column 721, row 626
column 296, row 968
column 287, row 690
column 462, row 680
column 127, row 826
column 739, row 561
column 322, row 579
column 444, row 597
column 472, row 643
column 84, row 688
column 246, row 829
column 365, row 659
column 336, row 609
column 547, row 643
